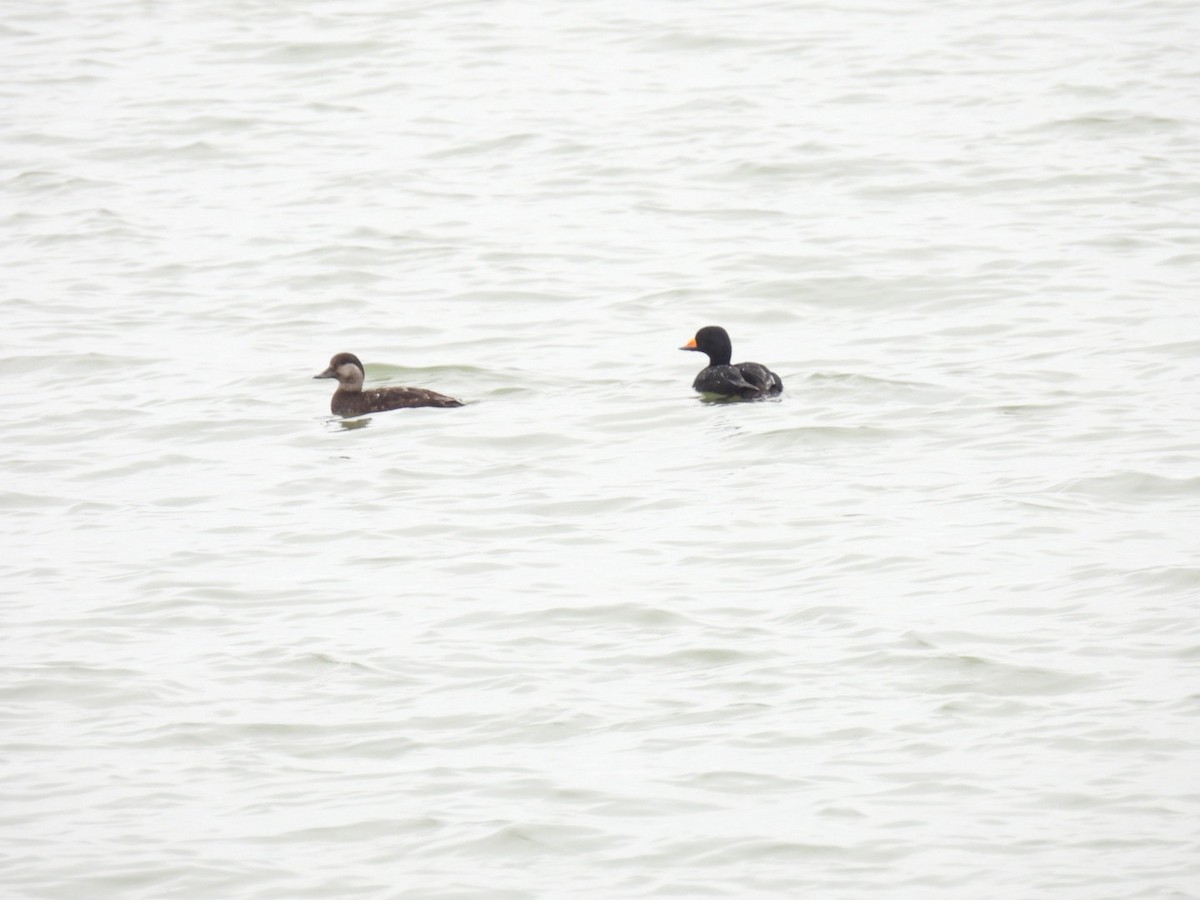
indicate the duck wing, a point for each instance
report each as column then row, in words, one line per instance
column 725, row 380
column 381, row 399
column 765, row 382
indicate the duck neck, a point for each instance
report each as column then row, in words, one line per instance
column 720, row 354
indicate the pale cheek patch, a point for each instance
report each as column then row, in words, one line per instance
column 349, row 375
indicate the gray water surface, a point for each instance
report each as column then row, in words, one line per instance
column 924, row 627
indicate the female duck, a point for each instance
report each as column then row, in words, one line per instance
column 351, row 400
column 748, row 380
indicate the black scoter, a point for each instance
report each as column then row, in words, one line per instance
column 351, row 400
column 748, row 380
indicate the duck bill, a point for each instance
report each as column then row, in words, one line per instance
column 690, row 345
column 328, row 373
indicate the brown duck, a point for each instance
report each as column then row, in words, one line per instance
column 351, row 400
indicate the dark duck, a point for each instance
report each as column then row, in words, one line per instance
column 351, row 400
column 747, row 380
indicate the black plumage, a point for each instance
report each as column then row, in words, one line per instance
column 747, row 380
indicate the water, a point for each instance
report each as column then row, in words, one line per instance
column 924, row 627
